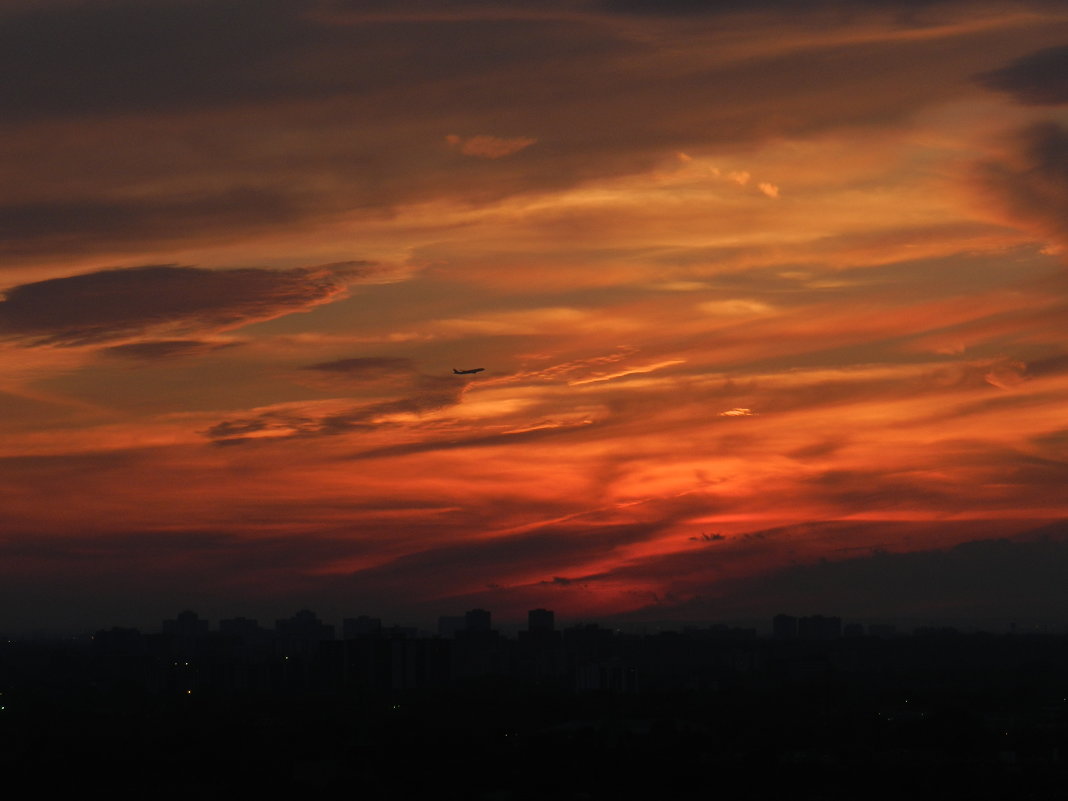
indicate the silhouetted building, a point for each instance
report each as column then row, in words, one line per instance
column 245, row 637
column 185, row 634
column 118, row 641
column 419, row 664
column 540, row 620
column 362, row 626
column 612, row 675
column 720, row 631
column 477, row 620
column 784, row 627
column 819, row 627
column 301, row 634
column 246, row 650
column 186, row 624
column 243, row 628
column 540, row 652
column 448, row 625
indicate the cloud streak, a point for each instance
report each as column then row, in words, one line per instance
column 489, row 147
column 113, row 304
column 167, row 348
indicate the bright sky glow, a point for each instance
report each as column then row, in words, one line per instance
column 793, row 277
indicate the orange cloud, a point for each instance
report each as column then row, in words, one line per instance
column 489, row 147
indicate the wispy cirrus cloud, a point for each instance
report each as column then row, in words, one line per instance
column 419, row 393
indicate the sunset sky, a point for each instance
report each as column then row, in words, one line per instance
column 771, row 299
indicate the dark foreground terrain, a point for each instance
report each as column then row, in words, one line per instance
column 943, row 715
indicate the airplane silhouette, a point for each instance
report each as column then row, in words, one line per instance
column 467, row 372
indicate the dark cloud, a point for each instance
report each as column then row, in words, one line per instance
column 203, row 118
column 1050, row 365
column 242, row 114
column 68, row 465
column 708, row 538
column 984, row 580
column 140, row 577
column 110, row 304
column 285, row 424
column 420, row 393
column 1002, row 568
column 1053, row 443
column 173, row 54
column 561, row 581
column 817, row 450
column 123, row 55
column 167, row 348
column 1038, row 79
column 865, row 491
column 473, row 441
column 76, row 583
column 47, row 226
column 672, row 8
column 1031, row 182
column 365, row 367
column 455, row 569
column 224, row 549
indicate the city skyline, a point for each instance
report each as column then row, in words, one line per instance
column 626, row 309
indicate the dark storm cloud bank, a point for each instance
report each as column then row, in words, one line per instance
column 1039, row 79
column 983, row 580
column 111, row 304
